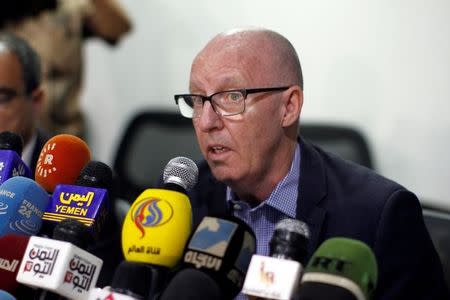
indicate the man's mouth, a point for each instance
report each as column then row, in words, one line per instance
column 218, row 149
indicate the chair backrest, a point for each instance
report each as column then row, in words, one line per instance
column 438, row 224
column 347, row 142
column 150, row 140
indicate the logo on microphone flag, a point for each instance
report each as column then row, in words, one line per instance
column 151, row 212
column 84, row 204
column 41, row 260
column 45, row 165
column 272, row 278
column 213, row 236
column 209, row 243
column 59, row 267
column 11, row 165
column 245, row 255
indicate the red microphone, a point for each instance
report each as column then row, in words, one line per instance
column 12, row 249
column 61, row 160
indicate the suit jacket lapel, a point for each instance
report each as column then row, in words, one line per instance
column 312, row 189
column 209, row 195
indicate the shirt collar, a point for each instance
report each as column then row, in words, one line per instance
column 284, row 197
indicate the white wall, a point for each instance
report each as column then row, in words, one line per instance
column 383, row 66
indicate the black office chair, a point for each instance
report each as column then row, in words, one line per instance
column 347, row 142
column 150, row 140
column 438, row 224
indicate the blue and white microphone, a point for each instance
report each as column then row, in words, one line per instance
column 11, row 163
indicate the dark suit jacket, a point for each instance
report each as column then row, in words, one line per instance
column 41, row 139
column 339, row 198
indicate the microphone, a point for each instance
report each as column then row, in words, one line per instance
column 6, row 296
column 61, row 160
column 340, row 269
column 12, row 249
column 137, row 280
column 106, row 294
column 192, row 284
column 11, row 141
column 74, row 232
column 277, row 276
column 11, row 164
column 290, row 240
column 86, row 201
column 22, row 204
column 96, row 174
column 162, row 213
column 155, row 231
column 106, row 228
column 220, row 249
column 60, row 267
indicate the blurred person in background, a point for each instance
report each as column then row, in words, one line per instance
column 21, row 101
column 21, row 95
column 57, row 30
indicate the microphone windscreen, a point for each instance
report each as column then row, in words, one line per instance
column 290, row 240
column 156, row 227
column 74, row 232
column 181, row 171
column 190, row 284
column 277, row 276
column 6, row 296
column 137, row 280
column 11, row 163
column 22, row 205
column 12, row 250
column 96, row 174
column 61, row 160
column 11, row 141
column 159, row 221
column 343, row 263
column 324, row 291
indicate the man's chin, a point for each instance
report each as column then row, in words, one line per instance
column 223, row 174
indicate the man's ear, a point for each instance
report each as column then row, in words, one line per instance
column 38, row 98
column 293, row 102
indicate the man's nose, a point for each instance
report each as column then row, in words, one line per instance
column 209, row 119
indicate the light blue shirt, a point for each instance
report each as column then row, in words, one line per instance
column 281, row 204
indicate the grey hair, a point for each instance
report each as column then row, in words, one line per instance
column 29, row 60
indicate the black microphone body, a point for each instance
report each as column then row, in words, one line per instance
column 217, row 255
column 323, row 291
column 278, row 276
column 138, row 280
column 192, row 284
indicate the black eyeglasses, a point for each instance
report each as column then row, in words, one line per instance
column 225, row 103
